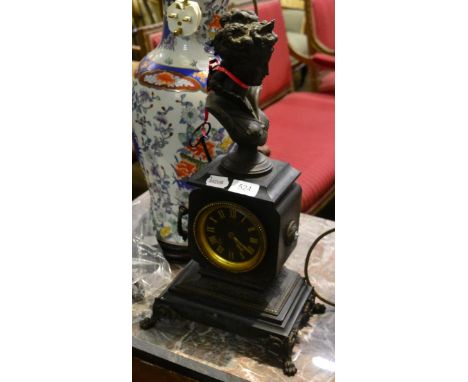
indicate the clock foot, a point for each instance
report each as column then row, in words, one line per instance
column 319, row 309
column 289, row 368
column 288, row 365
column 147, row 323
column 160, row 310
column 310, row 308
column 284, row 348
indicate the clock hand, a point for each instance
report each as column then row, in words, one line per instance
column 241, row 245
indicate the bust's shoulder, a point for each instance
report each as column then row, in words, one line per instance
column 238, row 119
column 220, row 105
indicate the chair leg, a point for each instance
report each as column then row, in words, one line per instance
column 304, row 71
column 314, row 78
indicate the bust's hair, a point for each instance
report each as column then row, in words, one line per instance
column 243, row 38
column 238, row 16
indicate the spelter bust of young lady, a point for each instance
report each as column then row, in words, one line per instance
column 245, row 46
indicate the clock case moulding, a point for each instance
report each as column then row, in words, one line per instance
column 270, row 303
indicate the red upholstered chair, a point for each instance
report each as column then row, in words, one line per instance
column 148, row 38
column 320, row 29
column 302, row 124
column 155, row 39
column 320, row 16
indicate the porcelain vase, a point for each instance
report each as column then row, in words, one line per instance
column 169, row 92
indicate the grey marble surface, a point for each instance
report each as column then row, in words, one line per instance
column 229, row 357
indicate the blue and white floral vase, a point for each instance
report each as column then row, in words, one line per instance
column 169, row 93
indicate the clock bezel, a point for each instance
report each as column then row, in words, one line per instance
column 201, row 238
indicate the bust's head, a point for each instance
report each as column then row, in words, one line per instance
column 245, row 45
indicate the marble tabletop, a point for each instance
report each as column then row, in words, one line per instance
column 229, row 357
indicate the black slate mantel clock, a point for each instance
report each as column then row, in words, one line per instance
column 239, row 243
column 243, row 212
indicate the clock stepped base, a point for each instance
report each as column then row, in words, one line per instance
column 273, row 317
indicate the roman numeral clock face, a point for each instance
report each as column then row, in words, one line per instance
column 230, row 236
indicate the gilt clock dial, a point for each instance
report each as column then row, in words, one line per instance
column 230, row 236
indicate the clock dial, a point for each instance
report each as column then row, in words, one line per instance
column 230, row 236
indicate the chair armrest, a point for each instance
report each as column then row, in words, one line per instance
column 324, row 60
column 321, row 59
column 319, row 47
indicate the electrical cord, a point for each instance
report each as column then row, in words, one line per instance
column 306, row 265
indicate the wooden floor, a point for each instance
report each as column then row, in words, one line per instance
column 146, row 372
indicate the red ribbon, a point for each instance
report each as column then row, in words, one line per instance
column 214, row 65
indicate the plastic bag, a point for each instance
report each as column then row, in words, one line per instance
column 151, row 272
